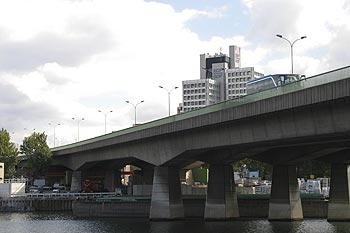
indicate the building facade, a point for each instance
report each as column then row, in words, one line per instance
column 221, row 78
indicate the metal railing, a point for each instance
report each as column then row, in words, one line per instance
column 65, row 195
column 15, row 180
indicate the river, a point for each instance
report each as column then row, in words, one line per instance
column 40, row 222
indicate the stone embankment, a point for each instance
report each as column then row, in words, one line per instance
column 252, row 206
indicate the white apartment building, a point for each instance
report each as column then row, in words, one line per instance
column 199, row 93
column 221, row 78
column 236, row 81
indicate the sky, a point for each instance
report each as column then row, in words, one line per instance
column 64, row 59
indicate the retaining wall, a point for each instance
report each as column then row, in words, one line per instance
column 193, row 207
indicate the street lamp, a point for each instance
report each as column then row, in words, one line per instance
column 54, row 132
column 105, row 113
column 168, row 94
column 78, row 122
column 291, row 45
column 135, row 106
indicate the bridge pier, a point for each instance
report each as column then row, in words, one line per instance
column 339, row 198
column 166, row 201
column 221, row 203
column 285, row 202
column 112, row 180
column 76, row 184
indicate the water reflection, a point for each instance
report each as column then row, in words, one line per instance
column 63, row 222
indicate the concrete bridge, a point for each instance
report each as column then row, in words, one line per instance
column 301, row 121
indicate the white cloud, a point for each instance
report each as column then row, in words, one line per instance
column 321, row 21
column 212, row 13
column 81, row 56
column 67, row 59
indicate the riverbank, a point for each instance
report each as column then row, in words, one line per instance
column 251, row 206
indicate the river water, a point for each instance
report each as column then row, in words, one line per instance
column 65, row 222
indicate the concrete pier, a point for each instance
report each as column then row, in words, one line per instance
column 112, row 180
column 285, row 202
column 339, row 198
column 166, row 202
column 221, row 202
column 76, row 185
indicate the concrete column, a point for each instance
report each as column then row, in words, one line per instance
column 221, row 200
column 147, row 177
column 76, row 182
column 166, row 202
column 339, row 197
column 285, row 202
column 112, row 180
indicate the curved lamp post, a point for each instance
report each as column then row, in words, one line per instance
column 169, row 91
column 291, row 45
column 78, row 122
column 135, row 106
column 105, row 113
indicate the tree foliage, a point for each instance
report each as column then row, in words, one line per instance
column 38, row 154
column 8, row 154
column 265, row 170
column 313, row 167
column 304, row 169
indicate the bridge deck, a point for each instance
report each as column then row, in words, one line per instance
column 313, row 81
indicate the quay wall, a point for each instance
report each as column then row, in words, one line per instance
column 193, row 207
column 27, row 205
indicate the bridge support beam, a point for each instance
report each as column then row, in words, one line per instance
column 76, row 182
column 339, row 198
column 221, row 203
column 285, row 202
column 166, row 202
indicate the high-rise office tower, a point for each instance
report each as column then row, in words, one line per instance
column 221, row 78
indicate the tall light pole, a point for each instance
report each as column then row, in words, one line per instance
column 135, row 106
column 54, row 132
column 105, row 113
column 291, row 45
column 169, row 91
column 78, row 122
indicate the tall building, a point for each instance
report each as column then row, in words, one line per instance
column 221, row 78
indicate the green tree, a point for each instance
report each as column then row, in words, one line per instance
column 313, row 167
column 38, row 154
column 265, row 170
column 8, row 154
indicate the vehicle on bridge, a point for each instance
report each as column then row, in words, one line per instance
column 271, row 81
